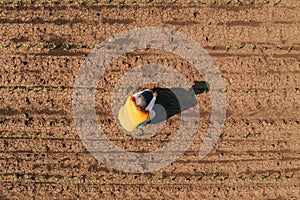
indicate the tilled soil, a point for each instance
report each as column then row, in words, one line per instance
column 256, row 48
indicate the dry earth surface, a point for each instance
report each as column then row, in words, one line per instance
column 255, row 45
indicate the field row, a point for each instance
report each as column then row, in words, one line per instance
column 263, row 79
column 150, row 191
column 122, row 3
column 195, row 179
column 29, row 31
column 10, row 90
column 18, row 46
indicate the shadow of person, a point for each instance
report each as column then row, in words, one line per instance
column 167, row 103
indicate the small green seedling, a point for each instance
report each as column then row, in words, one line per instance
column 174, row 47
column 222, row 179
column 284, row 92
column 251, row 177
column 199, row 178
column 172, row 179
column 19, row 90
column 120, row 4
column 240, row 46
column 227, row 48
column 277, row 177
column 122, row 177
column 107, row 179
column 265, row 1
column 238, row 3
column 59, row 89
column 271, row 91
column 162, row 178
column 26, row 46
column 55, row 178
column 165, row 136
column 250, row 2
column 78, row 179
column 81, row 2
column 239, row 178
column 213, row 177
column 276, row 2
column 54, row 46
column 67, row 47
column 8, row 135
column 41, row 47
column 246, row 136
column 289, row 177
column 257, row 134
column 147, row 47
column 200, row 2
column 290, row 49
column 147, row 180
column 264, row 177
column 18, row 3
column 33, row 135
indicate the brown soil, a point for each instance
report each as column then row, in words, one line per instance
column 255, row 46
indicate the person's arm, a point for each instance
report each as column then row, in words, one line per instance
column 152, row 102
column 139, row 93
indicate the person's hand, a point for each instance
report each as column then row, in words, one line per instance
column 155, row 94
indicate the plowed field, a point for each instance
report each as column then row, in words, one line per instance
column 255, row 45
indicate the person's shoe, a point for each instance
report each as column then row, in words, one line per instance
column 140, row 126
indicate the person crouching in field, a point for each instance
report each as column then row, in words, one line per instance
column 137, row 110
